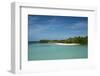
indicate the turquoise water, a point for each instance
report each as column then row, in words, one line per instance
column 44, row 51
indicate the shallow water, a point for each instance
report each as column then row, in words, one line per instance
column 49, row 51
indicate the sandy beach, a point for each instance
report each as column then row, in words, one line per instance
column 67, row 44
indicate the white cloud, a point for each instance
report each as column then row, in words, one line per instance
column 38, row 29
column 76, row 26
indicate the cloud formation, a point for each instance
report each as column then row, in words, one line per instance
column 56, row 27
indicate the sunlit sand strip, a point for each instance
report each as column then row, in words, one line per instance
column 67, row 44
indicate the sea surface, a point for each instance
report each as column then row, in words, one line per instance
column 50, row 51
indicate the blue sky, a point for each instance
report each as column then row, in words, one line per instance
column 56, row 27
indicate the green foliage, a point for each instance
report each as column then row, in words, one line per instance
column 44, row 41
column 80, row 40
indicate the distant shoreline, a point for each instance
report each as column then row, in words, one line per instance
column 66, row 43
column 61, row 43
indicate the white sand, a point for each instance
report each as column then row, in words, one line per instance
column 67, row 44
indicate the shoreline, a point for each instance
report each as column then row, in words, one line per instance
column 66, row 44
column 62, row 43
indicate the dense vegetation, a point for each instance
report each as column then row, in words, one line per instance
column 80, row 40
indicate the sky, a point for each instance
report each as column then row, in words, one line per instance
column 56, row 27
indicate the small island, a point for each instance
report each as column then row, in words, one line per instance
column 70, row 41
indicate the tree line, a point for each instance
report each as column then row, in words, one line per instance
column 79, row 39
